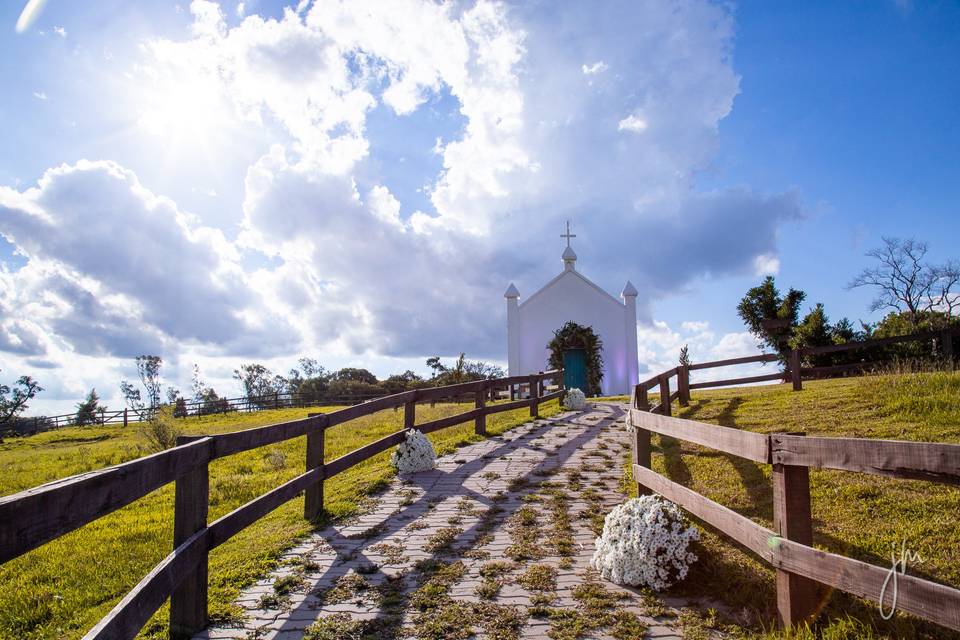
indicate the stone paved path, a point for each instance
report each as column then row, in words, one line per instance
column 489, row 502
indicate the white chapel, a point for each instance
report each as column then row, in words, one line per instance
column 571, row 296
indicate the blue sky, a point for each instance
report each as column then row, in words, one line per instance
column 223, row 184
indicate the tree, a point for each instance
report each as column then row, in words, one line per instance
column 259, row 382
column 131, row 396
column 770, row 317
column 353, row 374
column 906, row 282
column 88, row 409
column 685, row 356
column 13, row 400
column 463, row 370
column 148, row 368
column 197, row 386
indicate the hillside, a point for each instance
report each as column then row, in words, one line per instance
column 858, row 515
column 61, row 589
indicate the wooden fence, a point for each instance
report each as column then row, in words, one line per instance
column 793, row 372
column 27, row 426
column 789, row 546
column 37, row 516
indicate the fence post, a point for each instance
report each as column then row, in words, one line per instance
column 188, row 602
column 683, row 385
column 534, row 396
column 480, row 402
column 792, row 519
column 795, row 370
column 665, row 395
column 513, row 392
column 642, row 401
column 313, row 495
column 410, row 413
column 124, row 417
column 640, row 453
column 946, row 347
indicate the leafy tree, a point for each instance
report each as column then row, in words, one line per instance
column 13, row 400
column 212, row 403
column 401, row 382
column 131, row 396
column 462, row 370
column 173, row 394
column 685, row 356
column 148, row 370
column 88, row 409
column 197, row 386
column 771, row 317
column 907, row 283
column 353, row 374
column 255, row 379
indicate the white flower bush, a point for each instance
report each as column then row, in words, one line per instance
column 645, row 542
column 574, row 400
column 414, row 454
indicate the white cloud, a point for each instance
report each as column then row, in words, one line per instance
column 594, row 69
column 60, row 31
column 39, row 95
column 351, row 267
column 766, row 265
column 632, row 123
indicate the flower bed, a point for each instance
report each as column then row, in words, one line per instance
column 574, row 400
column 645, row 542
column 414, row 454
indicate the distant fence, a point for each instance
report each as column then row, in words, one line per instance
column 31, row 425
column 34, row 517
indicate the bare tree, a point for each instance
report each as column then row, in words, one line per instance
column 906, row 282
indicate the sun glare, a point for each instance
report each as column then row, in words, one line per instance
column 186, row 110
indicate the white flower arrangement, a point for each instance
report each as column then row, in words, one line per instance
column 645, row 542
column 414, row 454
column 574, row 400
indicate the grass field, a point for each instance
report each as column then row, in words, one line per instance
column 61, row 589
column 858, row 515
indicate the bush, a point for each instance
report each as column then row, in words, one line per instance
column 645, row 542
column 160, row 431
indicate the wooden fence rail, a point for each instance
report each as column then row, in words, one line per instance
column 793, row 372
column 789, row 546
column 37, row 516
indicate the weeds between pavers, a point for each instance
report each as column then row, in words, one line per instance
column 387, row 626
column 525, row 534
column 440, row 617
column 282, row 588
column 538, row 577
column 392, row 552
column 442, row 539
column 597, row 608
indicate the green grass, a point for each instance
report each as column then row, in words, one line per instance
column 856, row 515
column 61, row 589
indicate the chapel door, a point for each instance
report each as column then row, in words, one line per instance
column 575, row 369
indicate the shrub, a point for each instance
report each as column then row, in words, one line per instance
column 645, row 542
column 160, row 431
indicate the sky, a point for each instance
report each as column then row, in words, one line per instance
column 222, row 183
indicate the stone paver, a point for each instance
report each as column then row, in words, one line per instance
column 504, row 473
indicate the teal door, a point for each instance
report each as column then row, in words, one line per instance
column 575, row 369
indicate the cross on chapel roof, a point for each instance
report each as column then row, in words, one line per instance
column 569, row 257
column 568, row 235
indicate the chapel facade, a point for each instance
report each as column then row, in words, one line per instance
column 571, row 296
